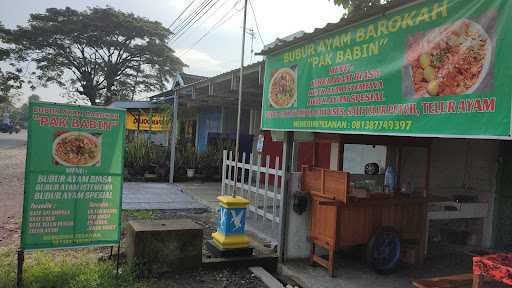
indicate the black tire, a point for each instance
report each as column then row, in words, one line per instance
column 383, row 251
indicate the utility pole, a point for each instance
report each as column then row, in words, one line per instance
column 240, row 87
column 252, row 35
column 174, row 136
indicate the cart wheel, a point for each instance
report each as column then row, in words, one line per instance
column 383, row 250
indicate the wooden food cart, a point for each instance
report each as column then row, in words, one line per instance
column 340, row 221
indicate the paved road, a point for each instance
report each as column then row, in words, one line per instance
column 13, row 141
column 159, row 196
column 12, row 167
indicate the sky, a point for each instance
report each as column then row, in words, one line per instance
column 220, row 48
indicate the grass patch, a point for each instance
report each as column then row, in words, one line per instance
column 140, row 214
column 63, row 269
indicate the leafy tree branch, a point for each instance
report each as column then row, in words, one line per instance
column 97, row 53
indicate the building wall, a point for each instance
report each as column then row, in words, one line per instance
column 502, row 223
column 413, row 167
column 464, row 166
column 209, row 121
column 229, row 118
column 458, row 167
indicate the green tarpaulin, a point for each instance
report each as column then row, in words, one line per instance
column 73, row 176
column 435, row 68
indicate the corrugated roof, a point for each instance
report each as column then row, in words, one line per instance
column 296, row 38
column 133, row 104
column 190, row 78
column 170, row 93
column 237, row 70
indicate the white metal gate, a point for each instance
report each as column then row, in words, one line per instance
column 259, row 183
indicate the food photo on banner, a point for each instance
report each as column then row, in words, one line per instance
column 426, row 69
column 283, row 87
column 453, row 59
column 72, row 148
column 73, row 176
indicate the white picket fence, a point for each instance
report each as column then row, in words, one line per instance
column 254, row 185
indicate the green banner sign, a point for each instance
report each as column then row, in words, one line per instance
column 435, row 68
column 73, row 176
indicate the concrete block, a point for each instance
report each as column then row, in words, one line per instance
column 266, row 277
column 297, row 245
column 218, row 251
column 156, row 246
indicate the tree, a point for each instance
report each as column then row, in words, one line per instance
column 21, row 114
column 360, row 8
column 10, row 81
column 99, row 53
column 34, row 98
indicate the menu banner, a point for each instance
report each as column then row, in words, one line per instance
column 434, row 68
column 73, row 176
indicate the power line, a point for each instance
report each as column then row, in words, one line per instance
column 236, row 11
column 183, row 24
column 184, row 10
column 190, row 14
column 194, row 19
column 213, row 13
column 214, row 26
column 219, row 23
column 256, row 22
column 190, row 17
column 191, row 25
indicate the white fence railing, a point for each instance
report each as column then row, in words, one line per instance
column 259, row 183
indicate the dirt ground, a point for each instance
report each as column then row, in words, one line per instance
column 12, row 167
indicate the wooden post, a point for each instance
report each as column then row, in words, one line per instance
column 118, row 259
column 19, row 272
column 477, row 278
column 315, row 154
column 322, row 181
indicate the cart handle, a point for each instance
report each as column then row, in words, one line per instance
column 329, row 203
